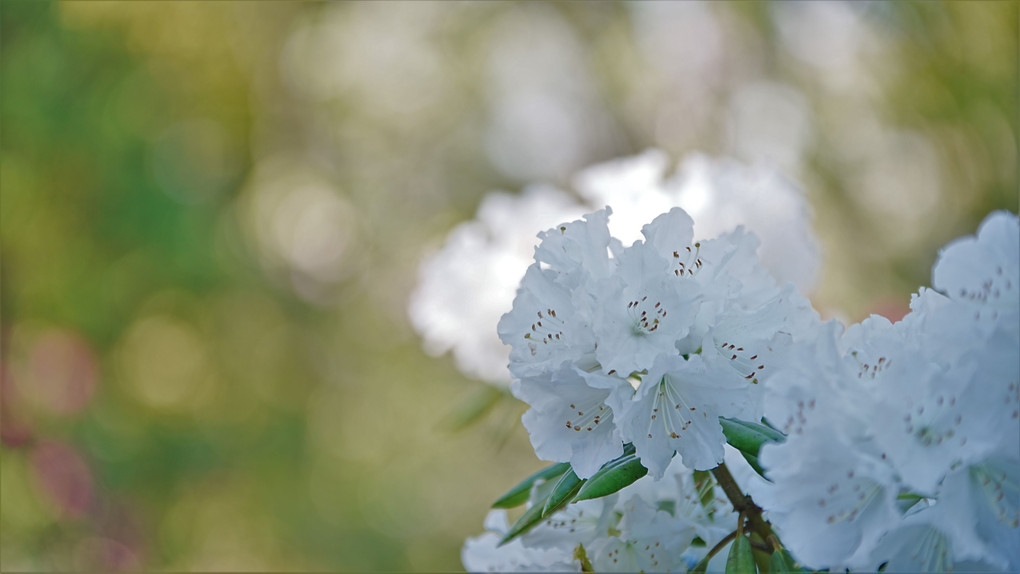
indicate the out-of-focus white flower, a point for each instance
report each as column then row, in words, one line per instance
column 721, row 194
column 465, row 287
column 917, row 546
column 634, row 186
column 830, row 501
column 980, row 510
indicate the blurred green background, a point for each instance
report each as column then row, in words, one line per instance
column 212, row 216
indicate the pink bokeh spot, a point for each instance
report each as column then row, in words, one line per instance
column 64, row 372
column 64, row 477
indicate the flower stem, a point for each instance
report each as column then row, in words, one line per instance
column 703, row 565
column 743, row 504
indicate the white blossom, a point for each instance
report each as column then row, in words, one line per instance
column 569, row 419
column 641, row 314
column 548, row 325
column 677, row 408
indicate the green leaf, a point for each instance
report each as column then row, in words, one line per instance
column 782, row 563
column 519, row 494
column 552, row 500
column 613, row 476
column 748, row 438
column 563, row 492
column 741, row 557
column 527, row 521
column 549, row 498
column 753, row 461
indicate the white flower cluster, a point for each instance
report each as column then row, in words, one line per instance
column 488, row 255
column 648, row 344
column 904, row 439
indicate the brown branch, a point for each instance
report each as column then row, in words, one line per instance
column 743, row 503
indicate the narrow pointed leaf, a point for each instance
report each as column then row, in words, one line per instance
column 527, row 521
column 554, row 499
column 753, row 461
column 612, row 477
column 563, row 492
column 741, row 557
column 518, row 495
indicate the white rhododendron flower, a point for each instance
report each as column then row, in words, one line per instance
column 642, row 313
column 549, row 324
column 570, row 419
column 677, row 409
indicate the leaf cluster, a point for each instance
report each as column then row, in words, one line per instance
column 613, row 476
